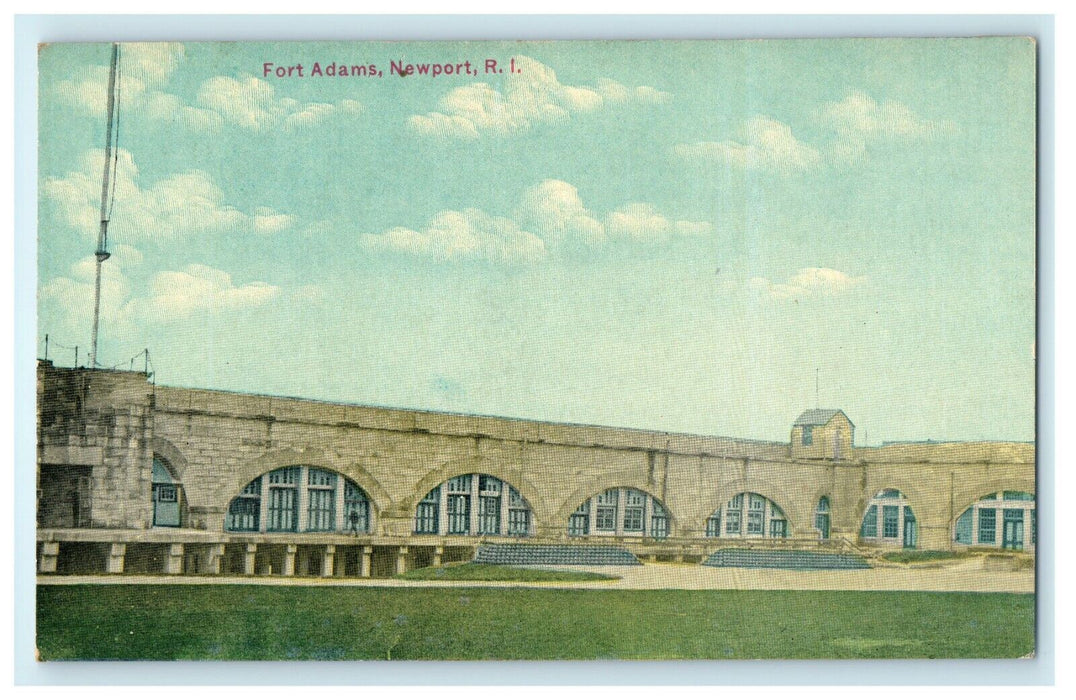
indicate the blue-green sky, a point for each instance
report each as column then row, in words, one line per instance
column 672, row 236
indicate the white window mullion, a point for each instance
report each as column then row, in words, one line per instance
column 339, row 494
column 442, row 509
column 263, row 505
column 621, row 511
column 506, row 497
column 648, row 508
column 473, row 509
column 302, row 502
column 592, row 516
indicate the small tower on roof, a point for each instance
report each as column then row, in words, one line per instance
column 822, row 433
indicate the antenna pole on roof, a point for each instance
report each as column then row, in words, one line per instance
column 102, row 254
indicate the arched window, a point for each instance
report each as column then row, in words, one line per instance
column 167, row 495
column 889, row 520
column 1005, row 520
column 821, row 518
column 748, row 515
column 474, row 504
column 300, row 499
column 622, row 512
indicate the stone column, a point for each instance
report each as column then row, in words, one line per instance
column 365, row 564
column 401, row 560
column 214, row 558
column 116, row 553
column 438, row 553
column 173, row 563
column 289, row 560
column 248, row 559
column 327, row 560
column 50, row 554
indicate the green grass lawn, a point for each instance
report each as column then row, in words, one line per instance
column 495, row 572
column 209, row 621
column 907, row 556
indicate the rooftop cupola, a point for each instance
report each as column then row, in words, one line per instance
column 822, row 433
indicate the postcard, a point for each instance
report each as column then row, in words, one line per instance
column 537, row 350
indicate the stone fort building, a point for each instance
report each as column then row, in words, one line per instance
column 134, row 477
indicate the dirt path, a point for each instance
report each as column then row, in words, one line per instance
column 966, row 575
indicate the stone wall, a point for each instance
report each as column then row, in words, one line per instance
column 216, row 442
column 102, row 420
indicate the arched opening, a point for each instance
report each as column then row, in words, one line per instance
column 474, row 504
column 821, row 518
column 167, row 495
column 300, row 499
column 889, row 520
column 748, row 514
column 620, row 512
column 1004, row 520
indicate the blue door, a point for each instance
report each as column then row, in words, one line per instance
column 1012, row 533
column 165, row 496
column 911, row 529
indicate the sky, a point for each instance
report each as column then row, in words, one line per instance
column 681, row 236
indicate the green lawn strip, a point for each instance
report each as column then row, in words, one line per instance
column 495, row 572
column 908, row 556
column 240, row 622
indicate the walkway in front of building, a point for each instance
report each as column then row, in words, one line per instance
column 964, row 575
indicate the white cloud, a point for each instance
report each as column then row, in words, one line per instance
column 808, row 281
column 550, row 219
column 179, row 205
column 861, row 114
column 151, row 62
column 765, row 144
column 145, row 69
column 532, row 96
column 642, row 222
column 252, row 103
column 554, row 209
column 268, row 221
column 195, row 288
column 165, row 107
column 75, row 294
column 470, row 234
column 173, row 295
column 859, row 120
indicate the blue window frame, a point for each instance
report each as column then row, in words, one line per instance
column 870, row 523
column 459, row 514
column 489, row 515
column 988, row 525
column 964, row 527
column 890, row 521
column 519, row 522
column 283, row 506
column 713, row 524
column 426, row 515
column 579, row 522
